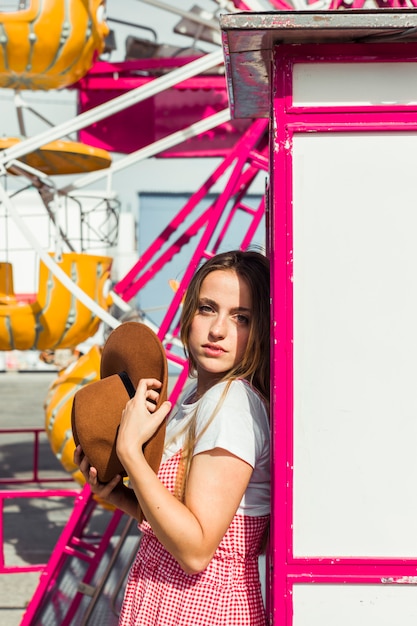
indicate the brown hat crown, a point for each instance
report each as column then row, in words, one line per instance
column 132, row 352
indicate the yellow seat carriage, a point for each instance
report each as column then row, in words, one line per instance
column 55, row 319
column 50, row 44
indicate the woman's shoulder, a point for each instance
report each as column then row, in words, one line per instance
column 234, row 393
column 233, row 407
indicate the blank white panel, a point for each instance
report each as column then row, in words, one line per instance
column 354, row 84
column 354, row 605
column 355, row 344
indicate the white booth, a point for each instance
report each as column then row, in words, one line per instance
column 340, row 90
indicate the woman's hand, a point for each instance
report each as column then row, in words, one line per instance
column 140, row 420
column 103, row 490
column 114, row 492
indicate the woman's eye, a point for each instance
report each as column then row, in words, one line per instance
column 242, row 319
column 205, row 308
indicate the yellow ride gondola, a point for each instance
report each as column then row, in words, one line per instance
column 58, row 404
column 57, row 319
column 50, row 44
column 62, row 157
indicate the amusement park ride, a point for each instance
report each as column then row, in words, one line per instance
column 157, row 103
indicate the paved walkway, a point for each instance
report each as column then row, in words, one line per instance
column 31, row 526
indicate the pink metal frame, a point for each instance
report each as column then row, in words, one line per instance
column 242, row 164
column 335, row 5
column 167, row 112
column 244, row 161
column 289, row 120
column 18, row 495
column 73, row 543
column 36, row 474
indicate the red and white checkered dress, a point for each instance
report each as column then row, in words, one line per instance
column 226, row 593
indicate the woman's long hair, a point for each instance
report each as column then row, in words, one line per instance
column 253, row 267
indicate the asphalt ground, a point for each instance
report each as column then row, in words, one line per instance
column 32, row 526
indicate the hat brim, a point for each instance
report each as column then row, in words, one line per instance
column 135, row 349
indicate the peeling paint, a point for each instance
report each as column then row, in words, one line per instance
column 403, row 580
column 252, row 37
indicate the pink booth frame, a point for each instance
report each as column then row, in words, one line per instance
column 289, row 120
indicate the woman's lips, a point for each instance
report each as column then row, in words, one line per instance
column 213, row 350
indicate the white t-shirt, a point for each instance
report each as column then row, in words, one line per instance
column 240, row 426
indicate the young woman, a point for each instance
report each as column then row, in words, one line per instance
column 207, row 511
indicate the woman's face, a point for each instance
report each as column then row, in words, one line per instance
column 220, row 328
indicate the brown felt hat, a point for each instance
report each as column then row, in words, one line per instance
column 131, row 352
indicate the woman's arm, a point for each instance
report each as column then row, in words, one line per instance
column 114, row 492
column 190, row 531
